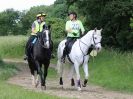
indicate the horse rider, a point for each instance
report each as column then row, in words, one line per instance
column 74, row 29
column 37, row 27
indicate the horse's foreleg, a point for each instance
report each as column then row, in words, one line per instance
column 37, row 80
column 33, row 80
column 85, row 68
column 33, row 77
column 40, row 72
column 76, row 65
column 45, row 73
column 37, row 77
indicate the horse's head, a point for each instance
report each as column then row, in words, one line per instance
column 96, row 39
column 45, row 37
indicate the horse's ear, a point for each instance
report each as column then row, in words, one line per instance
column 101, row 29
column 49, row 27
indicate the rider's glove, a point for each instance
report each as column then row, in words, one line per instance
column 75, row 34
column 38, row 33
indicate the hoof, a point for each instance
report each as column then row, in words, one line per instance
column 43, row 87
column 85, row 82
column 33, row 83
column 62, row 87
column 61, row 81
column 83, row 85
column 79, row 88
column 72, row 82
column 37, row 83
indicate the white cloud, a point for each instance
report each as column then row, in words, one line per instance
column 22, row 4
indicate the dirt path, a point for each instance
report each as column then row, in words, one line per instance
column 90, row 92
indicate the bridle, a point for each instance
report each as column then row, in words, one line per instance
column 45, row 40
column 92, row 45
column 94, row 40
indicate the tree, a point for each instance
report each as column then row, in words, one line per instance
column 9, row 19
column 111, row 15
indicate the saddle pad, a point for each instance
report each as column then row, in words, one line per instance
column 34, row 41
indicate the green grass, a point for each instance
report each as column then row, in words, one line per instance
column 8, row 91
column 52, row 73
column 12, row 46
column 112, row 70
column 6, row 70
column 13, row 92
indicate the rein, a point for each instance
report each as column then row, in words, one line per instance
column 87, row 46
column 94, row 41
column 43, row 42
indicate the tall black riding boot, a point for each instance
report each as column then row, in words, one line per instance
column 63, row 56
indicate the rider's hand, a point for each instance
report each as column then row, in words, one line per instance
column 74, row 33
column 38, row 34
column 69, row 30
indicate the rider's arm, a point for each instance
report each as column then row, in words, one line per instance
column 33, row 28
column 81, row 27
column 68, row 29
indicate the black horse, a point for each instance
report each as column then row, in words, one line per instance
column 41, row 55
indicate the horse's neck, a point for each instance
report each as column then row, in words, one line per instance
column 85, row 42
column 87, row 38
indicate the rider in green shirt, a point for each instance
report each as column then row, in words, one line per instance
column 73, row 29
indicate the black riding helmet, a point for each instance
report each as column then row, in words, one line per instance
column 74, row 13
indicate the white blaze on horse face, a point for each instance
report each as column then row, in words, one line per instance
column 47, row 39
column 97, row 40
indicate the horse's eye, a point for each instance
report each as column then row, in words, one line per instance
column 95, row 38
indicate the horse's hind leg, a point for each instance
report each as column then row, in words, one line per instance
column 71, row 76
column 85, row 68
column 76, row 65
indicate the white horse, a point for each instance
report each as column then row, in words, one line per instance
column 78, row 55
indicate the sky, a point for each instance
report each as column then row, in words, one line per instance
column 22, row 4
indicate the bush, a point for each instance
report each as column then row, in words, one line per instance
column 58, row 27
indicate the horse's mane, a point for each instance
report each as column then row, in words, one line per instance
column 91, row 31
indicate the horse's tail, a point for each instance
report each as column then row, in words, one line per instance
column 60, row 53
column 59, row 64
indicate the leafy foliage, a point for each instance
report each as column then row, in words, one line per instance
column 111, row 15
column 9, row 20
column 58, row 26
